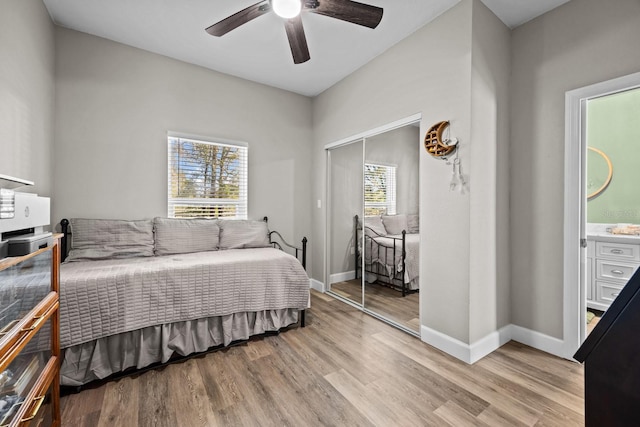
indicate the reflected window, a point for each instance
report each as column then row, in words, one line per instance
column 379, row 189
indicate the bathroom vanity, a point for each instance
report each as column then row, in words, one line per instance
column 611, row 261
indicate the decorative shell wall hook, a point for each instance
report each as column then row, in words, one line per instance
column 438, row 146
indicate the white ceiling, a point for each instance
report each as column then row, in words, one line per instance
column 259, row 50
column 517, row 12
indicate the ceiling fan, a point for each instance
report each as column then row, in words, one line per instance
column 290, row 10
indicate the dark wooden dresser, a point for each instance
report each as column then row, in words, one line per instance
column 611, row 357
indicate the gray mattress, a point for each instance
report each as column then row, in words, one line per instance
column 137, row 309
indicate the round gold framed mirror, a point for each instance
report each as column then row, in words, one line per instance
column 599, row 172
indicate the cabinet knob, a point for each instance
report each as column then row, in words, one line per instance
column 617, row 251
column 618, row 272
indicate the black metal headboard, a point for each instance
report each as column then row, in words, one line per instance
column 280, row 242
column 64, row 247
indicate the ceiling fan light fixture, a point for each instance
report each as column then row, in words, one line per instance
column 286, row 9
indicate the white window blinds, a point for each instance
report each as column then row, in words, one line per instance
column 207, row 179
column 379, row 189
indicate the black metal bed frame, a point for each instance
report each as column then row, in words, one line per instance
column 396, row 281
column 300, row 252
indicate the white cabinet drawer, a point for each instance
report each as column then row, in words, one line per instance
column 619, row 251
column 614, row 270
column 607, row 292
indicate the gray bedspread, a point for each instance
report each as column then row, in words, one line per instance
column 103, row 298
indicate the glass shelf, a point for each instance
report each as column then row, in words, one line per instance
column 19, row 378
column 22, row 287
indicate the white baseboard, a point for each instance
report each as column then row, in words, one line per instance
column 489, row 344
column 538, row 340
column 449, row 345
column 471, row 353
column 317, row 285
column 341, row 277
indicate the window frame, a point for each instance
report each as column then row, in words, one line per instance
column 391, row 175
column 242, row 203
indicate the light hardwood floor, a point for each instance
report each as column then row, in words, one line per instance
column 344, row 369
column 383, row 300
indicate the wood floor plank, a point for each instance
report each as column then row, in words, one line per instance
column 553, row 370
column 454, row 415
column 120, row 404
column 517, row 375
column 331, row 408
column 221, row 387
column 498, row 418
column 344, row 369
column 190, row 401
column 258, row 348
column 153, row 410
column 256, row 396
column 83, row 405
column 421, row 403
column 460, row 374
column 355, row 392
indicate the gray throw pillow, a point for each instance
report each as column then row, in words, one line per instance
column 95, row 239
column 374, row 226
column 394, row 224
column 181, row 235
column 239, row 234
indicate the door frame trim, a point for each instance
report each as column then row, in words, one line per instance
column 574, row 292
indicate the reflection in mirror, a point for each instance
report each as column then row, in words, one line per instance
column 345, row 201
column 391, row 232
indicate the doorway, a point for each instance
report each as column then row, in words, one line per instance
column 585, row 272
column 612, row 138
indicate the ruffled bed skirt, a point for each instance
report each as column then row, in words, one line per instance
column 98, row 359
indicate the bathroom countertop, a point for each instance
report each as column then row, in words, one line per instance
column 599, row 232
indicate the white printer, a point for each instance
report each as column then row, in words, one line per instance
column 23, row 217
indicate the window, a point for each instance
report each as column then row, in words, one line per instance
column 207, row 179
column 379, row 189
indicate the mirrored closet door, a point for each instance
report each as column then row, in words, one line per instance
column 345, row 203
column 373, row 223
column 391, row 234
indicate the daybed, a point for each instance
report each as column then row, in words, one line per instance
column 133, row 293
column 390, row 250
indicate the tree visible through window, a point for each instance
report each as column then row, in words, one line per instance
column 207, row 179
column 379, row 189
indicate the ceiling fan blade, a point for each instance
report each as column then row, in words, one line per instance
column 297, row 40
column 234, row 21
column 347, row 10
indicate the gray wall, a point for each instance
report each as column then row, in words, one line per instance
column 26, row 93
column 580, row 43
column 489, row 277
column 114, row 106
